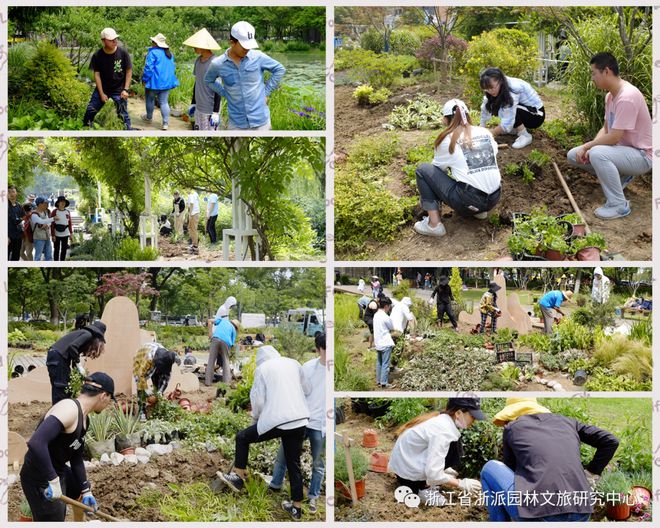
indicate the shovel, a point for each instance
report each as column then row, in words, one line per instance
column 86, row 508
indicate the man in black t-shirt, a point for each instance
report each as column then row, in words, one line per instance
column 113, row 70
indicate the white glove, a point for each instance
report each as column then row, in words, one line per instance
column 81, row 369
column 215, row 119
column 470, row 486
column 149, row 392
column 451, row 472
column 54, row 490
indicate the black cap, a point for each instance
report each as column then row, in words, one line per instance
column 100, row 381
column 97, row 328
column 493, row 286
column 471, row 405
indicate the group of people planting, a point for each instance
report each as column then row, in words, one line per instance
column 237, row 76
column 540, row 477
column 191, row 207
column 287, row 402
column 464, row 173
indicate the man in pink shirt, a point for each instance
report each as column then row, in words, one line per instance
column 622, row 148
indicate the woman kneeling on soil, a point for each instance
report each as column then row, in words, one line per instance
column 279, row 409
column 58, row 439
column 514, row 101
column 469, row 153
column 541, row 452
column 429, row 446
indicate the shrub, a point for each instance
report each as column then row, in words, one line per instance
column 362, row 94
column 642, row 331
column 422, row 113
column 19, row 56
column 129, row 249
column 404, row 42
column 292, row 343
column 482, row 441
column 377, row 70
column 360, row 465
column 634, row 454
column 600, row 34
column 379, row 96
column 402, row 410
column 625, row 356
column 372, row 40
column 511, row 50
column 430, row 49
column 50, row 78
column 568, row 133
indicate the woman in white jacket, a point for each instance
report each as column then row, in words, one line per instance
column 279, row 409
column 600, row 289
column 428, row 449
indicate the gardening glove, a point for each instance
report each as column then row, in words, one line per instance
column 470, row 486
column 149, row 392
column 451, row 472
column 215, row 119
column 89, row 500
column 592, row 479
column 54, row 490
column 81, row 369
column 191, row 110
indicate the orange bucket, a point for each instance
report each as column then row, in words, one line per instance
column 369, row 438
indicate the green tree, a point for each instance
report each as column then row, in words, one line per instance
column 456, row 284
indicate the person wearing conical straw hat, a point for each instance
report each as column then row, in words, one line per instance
column 238, row 76
column 205, row 105
column 541, row 458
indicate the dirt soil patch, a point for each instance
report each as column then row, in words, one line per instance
column 179, row 251
column 472, row 239
column 136, row 108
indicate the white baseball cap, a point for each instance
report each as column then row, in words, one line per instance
column 109, row 34
column 244, row 33
column 448, row 108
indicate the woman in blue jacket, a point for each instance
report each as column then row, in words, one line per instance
column 159, row 78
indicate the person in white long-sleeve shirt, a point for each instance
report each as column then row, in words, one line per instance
column 383, row 341
column 600, row 289
column 428, row 447
column 514, row 101
column 314, row 372
column 402, row 316
column 279, row 408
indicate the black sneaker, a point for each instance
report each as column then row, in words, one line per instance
column 232, row 480
column 271, row 489
column 296, row 513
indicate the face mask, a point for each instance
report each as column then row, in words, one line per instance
column 460, row 421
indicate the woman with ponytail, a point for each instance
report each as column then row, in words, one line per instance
column 428, row 451
column 463, row 174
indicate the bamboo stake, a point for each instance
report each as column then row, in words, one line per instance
column 570, row 197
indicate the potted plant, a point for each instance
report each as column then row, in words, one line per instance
column 100, row 436
column 360, row 468
column 26, row 512
column 615, row 489
column 557, row 247
column 589, row 246
column 127, row 426
column 578, row 227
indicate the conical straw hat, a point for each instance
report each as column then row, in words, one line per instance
column 202, row 40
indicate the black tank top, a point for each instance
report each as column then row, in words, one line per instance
column 61, row 450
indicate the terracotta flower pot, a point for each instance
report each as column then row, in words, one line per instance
column 184, row 403
column 579, row 230
column 369, row 438
column 378, row 462
column 128, row 451
column 345, row 489
column 641, row 496
column 617, row 512
column 553, row 254
column 489, row 346
column 588, row 253
column 23, row 518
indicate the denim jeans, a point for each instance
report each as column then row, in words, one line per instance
column 317, row 446
column 383, row 365
column 43, row 247
column 95, row 105
column 613, row 165
column 498, row 477
column 150, row 100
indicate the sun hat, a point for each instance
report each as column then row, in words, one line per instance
column 568, row 295
column 244, row 33
column 109, row 34
column 202, row 40
column 448, row 108
column 494, row 286
column 160, row 41
column 62, row 199
column 517, row 407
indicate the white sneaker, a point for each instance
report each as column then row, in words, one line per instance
column 164, row 127
column 481, row 216
column 524, row 139
column 423, row 228
column 431, row 497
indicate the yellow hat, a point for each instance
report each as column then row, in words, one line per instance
column 568, row 294
column 516, row 407
column 202, row 40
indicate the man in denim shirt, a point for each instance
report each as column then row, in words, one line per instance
column 238, row 76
